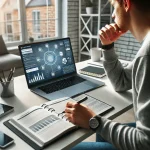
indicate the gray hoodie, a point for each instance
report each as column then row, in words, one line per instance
column 136, row 76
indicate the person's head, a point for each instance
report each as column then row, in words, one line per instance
column 127, row 11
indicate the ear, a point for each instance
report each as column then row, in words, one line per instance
column 127, row 4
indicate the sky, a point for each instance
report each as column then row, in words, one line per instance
column 1, row 1
column 26, row 1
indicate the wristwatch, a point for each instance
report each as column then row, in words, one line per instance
column 94, row 123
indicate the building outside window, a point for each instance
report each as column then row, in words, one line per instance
column 29, row 18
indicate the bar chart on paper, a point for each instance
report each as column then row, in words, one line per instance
column 36, row 78
column 44, row 123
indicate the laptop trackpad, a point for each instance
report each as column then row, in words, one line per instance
column 76, row 89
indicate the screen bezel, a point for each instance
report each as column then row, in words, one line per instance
column 50, row 80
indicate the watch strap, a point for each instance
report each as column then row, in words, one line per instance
column 107, row 47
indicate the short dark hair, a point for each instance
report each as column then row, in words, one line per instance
column 143, row 5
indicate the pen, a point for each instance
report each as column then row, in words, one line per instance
column 11, row 75
column 79, row 102
column 82, row 100
column 1, row 80
column 3, row 76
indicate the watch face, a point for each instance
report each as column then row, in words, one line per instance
column 94, row 123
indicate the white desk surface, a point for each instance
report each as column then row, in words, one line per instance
column 25, row 99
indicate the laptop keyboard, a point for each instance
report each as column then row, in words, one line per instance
column 61, row 84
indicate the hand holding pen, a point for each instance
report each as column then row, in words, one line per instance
column 79, row 114
column 79, row 102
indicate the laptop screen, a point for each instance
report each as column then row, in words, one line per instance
column 45, row 61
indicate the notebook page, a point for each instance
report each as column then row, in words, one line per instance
column 94, row 104
column 41, row 125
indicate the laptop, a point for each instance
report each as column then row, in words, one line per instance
column 50, row 70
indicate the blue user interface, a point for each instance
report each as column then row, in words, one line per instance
column 47, row 60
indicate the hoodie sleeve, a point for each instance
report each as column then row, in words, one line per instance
column 120, row 77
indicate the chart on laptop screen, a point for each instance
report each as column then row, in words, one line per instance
column 47, row 60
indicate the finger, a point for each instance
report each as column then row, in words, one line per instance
column 70, row 104
column 118, row 30
column 111, row 28
column 69, row 110
column 113, row 31
column 110, row 31
column 68, row 115
column 101, row 38
column 107, row 32
column 115, row 26
column 103, row 34
column 69, row 118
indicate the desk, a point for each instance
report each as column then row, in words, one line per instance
column 24, row 99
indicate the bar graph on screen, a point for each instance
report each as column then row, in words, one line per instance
column 36, row 78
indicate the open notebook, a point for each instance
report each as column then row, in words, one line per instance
column 41, row 125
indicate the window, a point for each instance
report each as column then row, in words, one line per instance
column 8, row 27
column 36, row 21
column 29, row 18
column 8, row 17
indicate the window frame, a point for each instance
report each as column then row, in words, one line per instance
column 23, row 26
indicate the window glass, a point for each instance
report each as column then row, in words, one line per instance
column 9, row 21
column 36, row 21
column 20, row 20
column 41, row 19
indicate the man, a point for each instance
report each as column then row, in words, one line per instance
column 133, row 15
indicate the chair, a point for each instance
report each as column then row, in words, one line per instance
column 8, row 61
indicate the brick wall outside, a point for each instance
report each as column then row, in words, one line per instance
column 43, row 22
column 127, row 46
column 16, row 26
